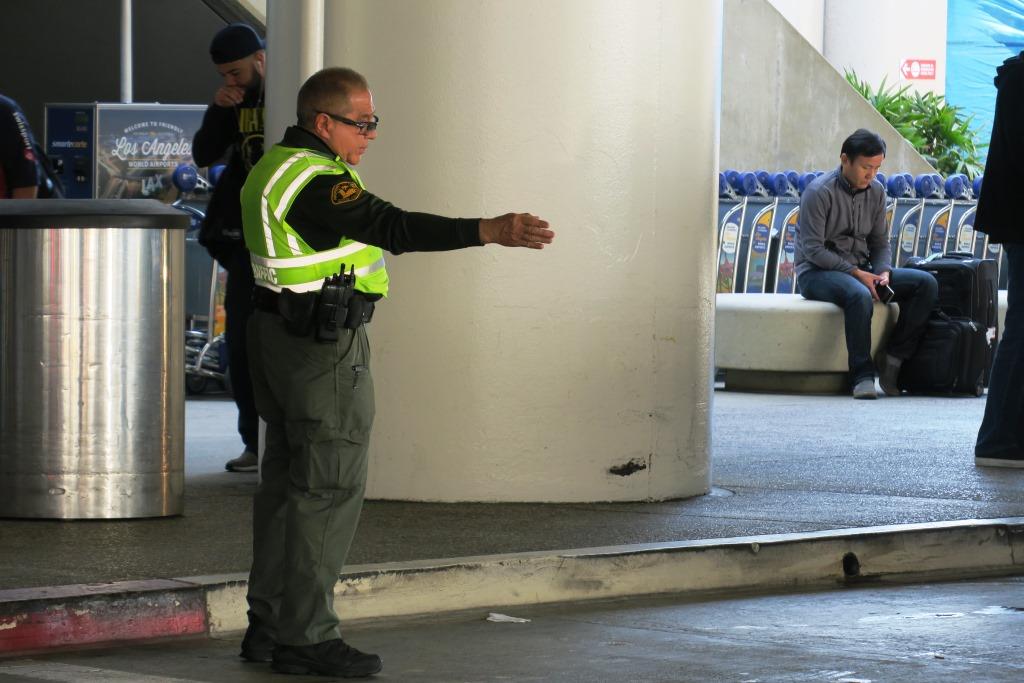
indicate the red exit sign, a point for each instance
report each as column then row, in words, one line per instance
column 918, row 69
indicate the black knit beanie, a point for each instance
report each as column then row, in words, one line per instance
column 233, row 42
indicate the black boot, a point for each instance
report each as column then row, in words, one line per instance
column 258, row 642
column 330, row 658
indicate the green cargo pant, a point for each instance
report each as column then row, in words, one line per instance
column 317, row 401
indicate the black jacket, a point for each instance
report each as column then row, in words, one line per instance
column 238, row 130
column 17, row 149
column 999, row 204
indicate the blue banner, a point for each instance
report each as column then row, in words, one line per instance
column 981, row 34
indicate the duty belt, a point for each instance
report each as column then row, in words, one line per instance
column 268, row 300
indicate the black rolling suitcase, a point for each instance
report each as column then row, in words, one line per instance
column 968, row 289
column 953, row 358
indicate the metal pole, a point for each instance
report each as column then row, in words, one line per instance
column 311, row 30
column 295, row 40
column 126, row 51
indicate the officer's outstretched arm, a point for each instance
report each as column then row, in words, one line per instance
column 516, row 230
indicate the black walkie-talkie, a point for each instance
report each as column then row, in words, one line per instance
column 332, row 307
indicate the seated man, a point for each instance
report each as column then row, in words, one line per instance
column 843, row 256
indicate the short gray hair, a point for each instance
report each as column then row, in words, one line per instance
column 328, row 90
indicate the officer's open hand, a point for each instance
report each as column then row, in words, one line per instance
column 516, row 230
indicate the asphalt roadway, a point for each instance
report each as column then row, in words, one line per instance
column 964, row 632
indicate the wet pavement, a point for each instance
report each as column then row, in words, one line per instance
column 781, row 464
column 965, row 631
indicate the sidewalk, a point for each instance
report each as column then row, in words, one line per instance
column 783, row 464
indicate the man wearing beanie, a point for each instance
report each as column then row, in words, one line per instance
column 233, row 128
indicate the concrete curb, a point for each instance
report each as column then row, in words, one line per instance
column 43, row 618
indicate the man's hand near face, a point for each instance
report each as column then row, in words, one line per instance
column 228, row 96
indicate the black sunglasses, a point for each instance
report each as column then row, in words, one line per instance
column 365, row 127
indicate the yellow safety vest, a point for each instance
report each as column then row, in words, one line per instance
column 280, row 258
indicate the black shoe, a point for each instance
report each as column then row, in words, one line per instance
column 257, row 644
column 330, row 658
column 889, row 374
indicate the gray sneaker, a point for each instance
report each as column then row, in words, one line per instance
column 246, row 462
column 889, row 374
column 865, row 388
column 999, row 462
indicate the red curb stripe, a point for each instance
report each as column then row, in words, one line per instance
column 37, row 625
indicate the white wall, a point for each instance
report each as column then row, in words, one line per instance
column 514, row 375
column 257, row 7
column 784, row 106
column 807, row 17
column 873, row 37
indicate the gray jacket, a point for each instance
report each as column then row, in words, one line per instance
column 842, row 229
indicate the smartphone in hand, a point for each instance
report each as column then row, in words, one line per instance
column 885, row 293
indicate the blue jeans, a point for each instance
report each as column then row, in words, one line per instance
column 1002, row 429
column 916, row 292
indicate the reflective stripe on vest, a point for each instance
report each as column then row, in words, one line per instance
column 280, row 258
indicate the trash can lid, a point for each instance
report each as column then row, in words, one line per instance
column 90, row 213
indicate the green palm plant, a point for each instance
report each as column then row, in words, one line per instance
column 937, row 130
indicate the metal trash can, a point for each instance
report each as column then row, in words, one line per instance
column 92, row 395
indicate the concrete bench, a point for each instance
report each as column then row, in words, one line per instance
column 783, row 342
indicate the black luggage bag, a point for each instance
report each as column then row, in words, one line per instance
column 953, row 358
column 968, row 288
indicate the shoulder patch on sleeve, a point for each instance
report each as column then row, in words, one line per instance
column 344, row 192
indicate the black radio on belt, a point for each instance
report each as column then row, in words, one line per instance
column 332, row 309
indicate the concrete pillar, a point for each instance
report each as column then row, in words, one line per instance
column 295, row 50
column 582, row 372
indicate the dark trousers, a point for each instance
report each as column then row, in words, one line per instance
column 916, row 292
column 1002, row 429
column 237, row 309
column 317, row 401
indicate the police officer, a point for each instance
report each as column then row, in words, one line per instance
column 233, row 125
column 307, row 215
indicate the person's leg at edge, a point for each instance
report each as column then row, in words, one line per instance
column 241, row 382
column 237, row 309
column 1001, row 435
column 849, row 294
